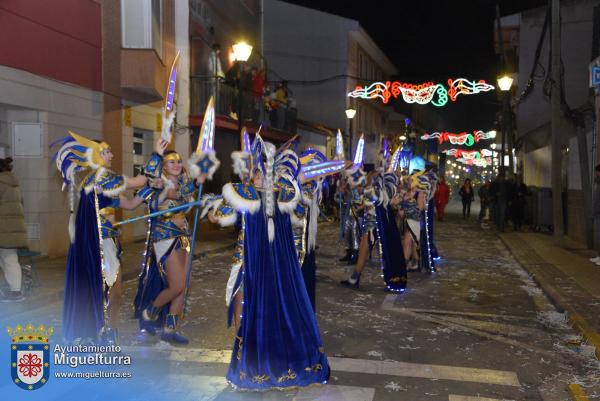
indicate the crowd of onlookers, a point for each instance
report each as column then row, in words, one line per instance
column 501, row 201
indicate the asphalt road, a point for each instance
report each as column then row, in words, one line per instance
column 479, row 327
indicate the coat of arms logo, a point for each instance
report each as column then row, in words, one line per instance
column 30, row 355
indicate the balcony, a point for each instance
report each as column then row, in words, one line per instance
column 255, row 110
column 143, row 76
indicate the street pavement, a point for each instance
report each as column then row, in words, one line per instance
column 478, row 329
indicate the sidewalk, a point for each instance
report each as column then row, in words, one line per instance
column 49, row 273
column 566, row 275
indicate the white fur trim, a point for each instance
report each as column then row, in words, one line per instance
column 239, row 203
column 167, row 124
column 240, row 164
column 227, row 221
column 195, row 158
column 89, row 156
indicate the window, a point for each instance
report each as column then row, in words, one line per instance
column 141, row 24
column 142, row 148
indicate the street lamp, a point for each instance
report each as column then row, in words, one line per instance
column 504, row 83
column 350, row 113
column 241, row 54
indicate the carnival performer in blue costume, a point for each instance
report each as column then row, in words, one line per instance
column 362, row 211
column 305, row 221
column 380, row 196
column 93, row 278
column 160, row 298
column 278, row 344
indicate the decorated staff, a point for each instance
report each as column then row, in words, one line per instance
column 203, row 162
column 339, row 155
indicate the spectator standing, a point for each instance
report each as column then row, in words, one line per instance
column 596, row 210
column 13, row 234
column 501, row 197
column 519, row 199
column 467, row 196
column 484, row 199
column 442, row 196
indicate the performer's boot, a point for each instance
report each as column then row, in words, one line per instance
column 353, row 281
column 109, row 336
column 353, row 257
column 347, row 257
column 170, row 333
column 149, row 317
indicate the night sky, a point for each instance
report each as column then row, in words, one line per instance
column 434, row 40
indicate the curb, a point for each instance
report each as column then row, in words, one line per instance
column 42, row 301
column 575, row 320
column 577, row 393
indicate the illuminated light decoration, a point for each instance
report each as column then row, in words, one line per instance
column 425, row 93
column 481, row 162
column 469, row 154
column 462, row 86
column 339, row 145
column 395, row 161
column 360, row 149
column 246, row 141
column 462, row 138
column 318, row 170
column 386, row 152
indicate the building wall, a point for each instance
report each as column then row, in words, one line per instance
column 59, row 107
column 576, row 46
column 315, row 54
column 64, row 45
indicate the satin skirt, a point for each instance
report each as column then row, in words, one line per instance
column 83, row 309
column 153, row 279
column 278, row 344
column 393, row 262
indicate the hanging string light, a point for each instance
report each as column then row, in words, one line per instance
column 462, row 138
column 425, row 93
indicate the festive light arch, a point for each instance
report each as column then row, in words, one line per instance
column 427, row 92
column 462, row 138
column 469, row 154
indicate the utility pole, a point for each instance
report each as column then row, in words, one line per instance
column 557, row 204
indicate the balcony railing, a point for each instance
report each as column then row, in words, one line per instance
column 260, row 110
